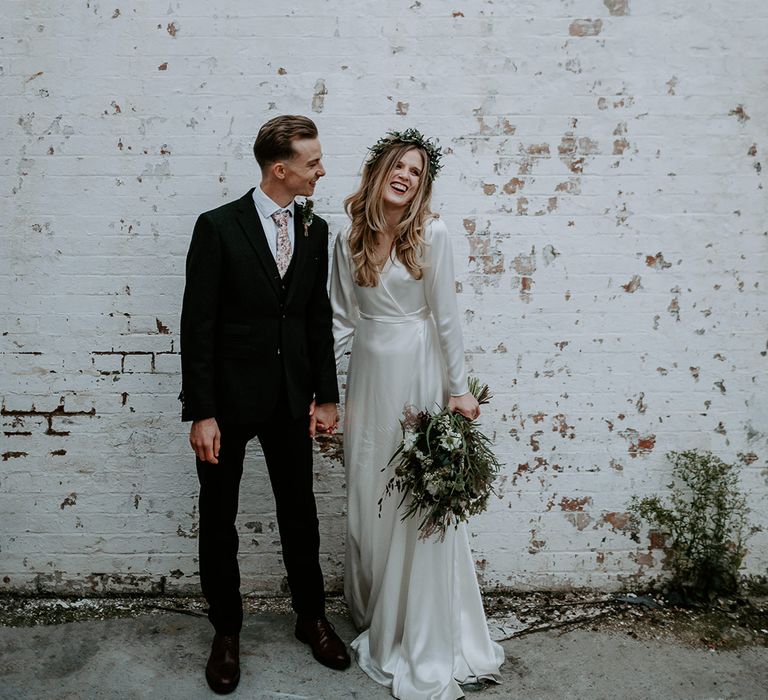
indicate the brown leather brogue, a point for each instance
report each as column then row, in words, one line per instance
column 223, row 668
column 326, row 645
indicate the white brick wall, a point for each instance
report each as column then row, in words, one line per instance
column 603, row 188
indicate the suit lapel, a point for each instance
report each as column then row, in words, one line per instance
column 250, row 222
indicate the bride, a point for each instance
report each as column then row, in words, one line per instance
column 416, row 602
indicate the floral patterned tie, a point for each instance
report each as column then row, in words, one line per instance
column 284, row 250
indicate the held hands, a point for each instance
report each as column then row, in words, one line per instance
column 205, row 438
column 466, row 404
column 323, row 418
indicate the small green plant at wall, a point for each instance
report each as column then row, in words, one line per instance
column 704, row 522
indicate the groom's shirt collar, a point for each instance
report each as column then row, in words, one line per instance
column 266, row 206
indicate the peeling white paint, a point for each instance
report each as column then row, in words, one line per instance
column 603, row 185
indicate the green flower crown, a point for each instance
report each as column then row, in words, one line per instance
column 410, row 136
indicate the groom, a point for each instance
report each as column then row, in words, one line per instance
column 257, row 361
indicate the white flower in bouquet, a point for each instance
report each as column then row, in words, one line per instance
column 410, row 439
column 451, row 441
column 433, row 487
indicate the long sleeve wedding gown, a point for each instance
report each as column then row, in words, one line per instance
column 416, row 602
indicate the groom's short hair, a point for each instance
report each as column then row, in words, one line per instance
column 275, row 139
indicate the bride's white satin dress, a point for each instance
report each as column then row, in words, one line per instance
column 416, row 602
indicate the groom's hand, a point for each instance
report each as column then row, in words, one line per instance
column 326, row 417
column 205, row 438
column 312, row 419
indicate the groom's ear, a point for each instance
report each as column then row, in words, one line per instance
column 277, row 170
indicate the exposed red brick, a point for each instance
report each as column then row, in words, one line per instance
column 644, row 558
column 579, row 520
column 617, row 8
column 574, row 504
column 585, row 27
column 618, row 521
column 657, row 261
column 644, row 446
column 739, row 113
column 619, row 146
column 538, row 149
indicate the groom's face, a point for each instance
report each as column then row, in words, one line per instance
column 305, row 168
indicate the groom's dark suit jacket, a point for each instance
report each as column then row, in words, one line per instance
column 248, row 336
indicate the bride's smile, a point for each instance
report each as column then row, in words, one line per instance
column 404, row 180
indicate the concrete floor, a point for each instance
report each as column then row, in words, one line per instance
column 163, row 655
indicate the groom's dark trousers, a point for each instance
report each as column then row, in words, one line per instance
column 255, row 350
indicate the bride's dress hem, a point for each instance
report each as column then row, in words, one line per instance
column 452, row 691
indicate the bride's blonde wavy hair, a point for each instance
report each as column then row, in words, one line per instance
column 366, row 210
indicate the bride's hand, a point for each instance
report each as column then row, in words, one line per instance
column 466, row 404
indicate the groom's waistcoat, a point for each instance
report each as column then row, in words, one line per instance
column 248, row 336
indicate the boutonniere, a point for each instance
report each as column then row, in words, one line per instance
column 307, row 215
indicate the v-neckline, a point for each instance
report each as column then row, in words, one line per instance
column 389, row 262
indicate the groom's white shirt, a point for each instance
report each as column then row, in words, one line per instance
column 265, row 208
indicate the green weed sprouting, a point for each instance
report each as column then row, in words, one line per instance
column 705, row 525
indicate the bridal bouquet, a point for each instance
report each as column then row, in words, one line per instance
column 446, row 466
